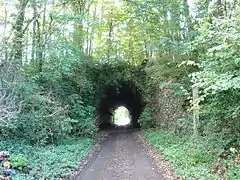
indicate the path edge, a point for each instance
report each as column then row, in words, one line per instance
column 162, row 166
column 85, row 162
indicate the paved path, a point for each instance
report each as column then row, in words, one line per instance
column 120, row 159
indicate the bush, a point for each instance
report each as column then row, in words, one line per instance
column 40, row 118
column 81, row 117
column 182, row 126
column 19, row 161
column 46, row 117
column 146, row 120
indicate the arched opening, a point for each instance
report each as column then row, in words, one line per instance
column 126, row 96
column 122, row 117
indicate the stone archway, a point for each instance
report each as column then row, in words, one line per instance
column 126, row 95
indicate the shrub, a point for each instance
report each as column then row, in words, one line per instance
column 19, row 161
column 146, row 120
column 40, row 118
column 81, row 117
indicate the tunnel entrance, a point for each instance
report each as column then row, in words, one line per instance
column 114, row 97
column 122, row 117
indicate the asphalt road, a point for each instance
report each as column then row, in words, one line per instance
column 120, row 158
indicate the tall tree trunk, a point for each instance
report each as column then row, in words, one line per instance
column 18, row 39
column 34, row 32
column 110, row 30
column 80, row 7
column 43, row 35
column 5, row 54
column 87, row 36
column 92, row 30
column 39, row 48
column 187, row 27
column 219, row 7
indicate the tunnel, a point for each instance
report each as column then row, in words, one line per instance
column 126, row 95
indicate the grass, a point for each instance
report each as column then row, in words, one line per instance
column 50, row 162
column 195, row 158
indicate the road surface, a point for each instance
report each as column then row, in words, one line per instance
column 120, row 158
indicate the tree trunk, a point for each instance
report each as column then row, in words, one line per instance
column 39, row 48
column 92, row 31
column 219, row 7
column 34, row 33
column 18, row 39
column 43, row 36
column 110, row 37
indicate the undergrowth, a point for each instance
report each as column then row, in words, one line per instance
column 197, row 158
column 49, row 162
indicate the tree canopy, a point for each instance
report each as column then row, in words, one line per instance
column 56, row 57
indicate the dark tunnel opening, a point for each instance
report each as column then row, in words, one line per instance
column 127, row 96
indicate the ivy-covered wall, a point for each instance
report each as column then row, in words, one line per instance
column 168, row 108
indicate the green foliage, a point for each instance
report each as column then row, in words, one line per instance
column 182, row 126
column 44, row 117
column 146, row 120
column 49, row 162
column 34, row 120
column 218, row 77
column 78, row 49
column 19, row 161
column 194, row 158
column 234, row 172
column 81, row 117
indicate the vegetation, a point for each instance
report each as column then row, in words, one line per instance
column 49, row 162
column 56, row 57
column 197, row 158
column 146, row 121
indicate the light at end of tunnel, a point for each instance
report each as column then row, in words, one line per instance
column 122, row 116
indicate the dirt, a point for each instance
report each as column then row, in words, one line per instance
column 121, row 157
